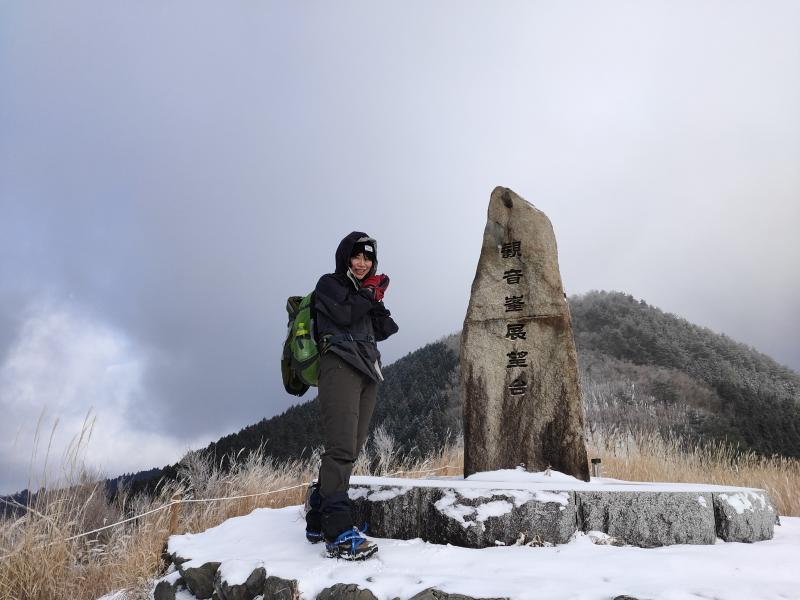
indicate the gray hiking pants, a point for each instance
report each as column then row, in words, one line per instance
column 347, row 400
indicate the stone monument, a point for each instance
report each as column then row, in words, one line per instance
column 519, row 368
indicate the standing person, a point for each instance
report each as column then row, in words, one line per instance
column 350, row 320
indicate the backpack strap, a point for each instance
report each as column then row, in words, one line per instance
column 347, row 337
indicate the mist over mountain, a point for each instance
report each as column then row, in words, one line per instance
column 642, row 369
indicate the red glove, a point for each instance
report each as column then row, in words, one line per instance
column 377, row 285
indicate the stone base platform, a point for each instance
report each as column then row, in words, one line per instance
column 265, row 554
column 513, row 507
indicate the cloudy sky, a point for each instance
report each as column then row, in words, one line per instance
column 171, row 171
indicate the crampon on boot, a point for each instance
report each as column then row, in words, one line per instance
column 350, row 545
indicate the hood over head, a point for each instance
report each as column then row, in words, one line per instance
column 345, row 249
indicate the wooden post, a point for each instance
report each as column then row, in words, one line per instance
column 174, row 514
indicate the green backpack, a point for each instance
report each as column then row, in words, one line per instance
column 300, row 360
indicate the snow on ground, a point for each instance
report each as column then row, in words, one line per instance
column 580, row 570
column 520, row 479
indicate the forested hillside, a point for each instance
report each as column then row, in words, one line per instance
column 726, row 390
column 641, row 368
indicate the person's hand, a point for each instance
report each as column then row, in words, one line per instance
column 376, row 285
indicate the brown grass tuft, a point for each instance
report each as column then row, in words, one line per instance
column 43, row 565
column 651, row 457
column 40, row 563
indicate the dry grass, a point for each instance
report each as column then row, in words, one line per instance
column 40, row 562
column 42, row 565
column 650, row 457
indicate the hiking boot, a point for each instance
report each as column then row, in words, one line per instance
column 313, row 517
column 350, row 545
column 313, row 537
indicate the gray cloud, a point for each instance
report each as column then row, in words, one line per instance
column 170, row 174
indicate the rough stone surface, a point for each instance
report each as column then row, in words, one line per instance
column 167, row 587
column 200, row 580
column 744, row 516
column 477, row 518
column 530, row 413
column 252, row 587
column 523, row 518
column 276, row 588
column 393, row 512
column 649, row 519
column 164, row 591
column 434, row 594
column 345, row 591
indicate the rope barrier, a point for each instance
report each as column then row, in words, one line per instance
column 203, row 500
column 422, row 471
column 128, row 520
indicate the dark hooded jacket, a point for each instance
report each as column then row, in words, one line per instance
column 348, row 322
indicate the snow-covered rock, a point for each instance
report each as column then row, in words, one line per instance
column 648, row 519
column 501, row 507
column 240, row 580
column 464, row 516
column 199, row 578
column 745, row 516
column 276, row 588
column 346, row 591
column 166, row 587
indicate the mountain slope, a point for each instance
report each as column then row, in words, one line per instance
column 641, row 369
column 758, row 399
